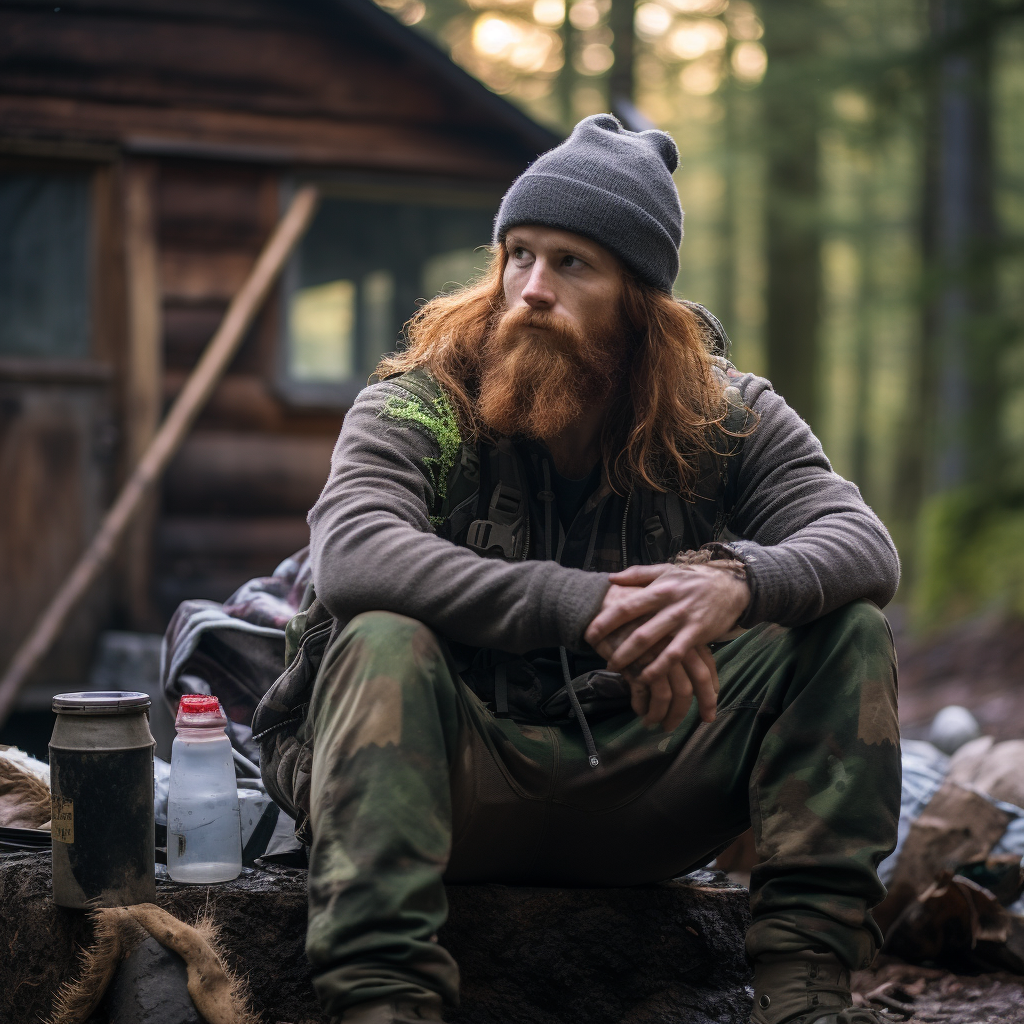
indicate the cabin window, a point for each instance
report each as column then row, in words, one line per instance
column 363, row 268
column 44, row 265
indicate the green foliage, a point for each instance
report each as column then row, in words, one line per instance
column 971, row 556
column 439, row 422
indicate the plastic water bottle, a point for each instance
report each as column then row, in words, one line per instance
column 204, row 842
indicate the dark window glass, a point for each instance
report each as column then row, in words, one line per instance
column 44, row 265
column 359, row 274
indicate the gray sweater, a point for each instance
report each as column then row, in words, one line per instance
column 809, row 541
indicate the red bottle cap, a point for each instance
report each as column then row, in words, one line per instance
column 196, row 711
column 197, row 703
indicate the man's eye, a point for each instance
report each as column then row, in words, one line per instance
column 572, row 261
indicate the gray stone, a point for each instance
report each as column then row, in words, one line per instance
column 151, row 987
column 668, row 954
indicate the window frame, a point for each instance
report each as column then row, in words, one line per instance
column 96, row 169
column 332, row 396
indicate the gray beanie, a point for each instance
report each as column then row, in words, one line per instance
column 612, row 185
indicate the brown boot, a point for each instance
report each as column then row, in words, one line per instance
column 396, row 1010
column 807, row 988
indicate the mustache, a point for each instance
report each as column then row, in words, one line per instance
column 560, row 330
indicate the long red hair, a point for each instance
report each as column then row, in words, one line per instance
column 662, row 420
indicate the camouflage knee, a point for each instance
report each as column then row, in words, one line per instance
column 827, row 789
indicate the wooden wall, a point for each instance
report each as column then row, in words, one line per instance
column 191, row 113
column 60, row 431
column 234, row 501
column 55, row 462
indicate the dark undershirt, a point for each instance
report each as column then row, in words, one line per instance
column 571, row 495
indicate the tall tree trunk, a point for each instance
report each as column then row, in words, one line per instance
column 959, row 251
column 861, row 454
column 567, row 76
column 620, row 78
column 794, row 235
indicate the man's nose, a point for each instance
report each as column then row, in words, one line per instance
column 538, row 293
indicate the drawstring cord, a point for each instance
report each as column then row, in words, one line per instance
column 588, row 736
column 547, row 496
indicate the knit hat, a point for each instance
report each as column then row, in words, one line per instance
column 609, row 184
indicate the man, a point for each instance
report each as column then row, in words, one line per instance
column 557, row 481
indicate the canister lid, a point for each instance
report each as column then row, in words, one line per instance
column 101, row 702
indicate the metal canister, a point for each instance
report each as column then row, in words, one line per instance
column 101, row 791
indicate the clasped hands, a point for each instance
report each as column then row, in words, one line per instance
column 654, row 626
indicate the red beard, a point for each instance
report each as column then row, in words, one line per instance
column 541, row 371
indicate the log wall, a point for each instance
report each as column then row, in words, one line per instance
column 234, row 500
column 191, row 114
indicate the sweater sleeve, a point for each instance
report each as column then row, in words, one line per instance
column 373, row 548
column 809, row 541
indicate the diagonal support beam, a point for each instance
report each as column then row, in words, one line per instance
column 197, row 390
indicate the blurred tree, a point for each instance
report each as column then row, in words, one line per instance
column 853, row 178
column 793, row 218
column 961, row 382
column 620, row 76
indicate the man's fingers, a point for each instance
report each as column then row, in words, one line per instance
column 682, row 697
column 646, row 636
column 661, row 700
column 640, row 698
column 703, row 684
column 675, row 651
column 709, row 659
column 639, row 575
column 634, row 604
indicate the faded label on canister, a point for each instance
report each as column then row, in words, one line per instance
column 62, row 819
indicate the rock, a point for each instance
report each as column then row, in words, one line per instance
column 952, row 727
column 151, row 987
column 654, row 955
column 666, row 954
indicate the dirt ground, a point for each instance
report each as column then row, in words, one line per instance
column 978, row 664
column 934, row 996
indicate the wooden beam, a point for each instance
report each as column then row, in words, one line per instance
column 386, row 145
column 142, row 384
column 179, row 420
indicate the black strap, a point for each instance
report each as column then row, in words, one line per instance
column 547, row 496
column 677, row 522
column 505, row 531
column 655, row 539
column 501, row 689
column 715, row 337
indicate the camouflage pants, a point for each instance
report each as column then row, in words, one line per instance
column 415, row 782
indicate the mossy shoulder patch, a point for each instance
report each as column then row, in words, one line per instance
column 436, row 418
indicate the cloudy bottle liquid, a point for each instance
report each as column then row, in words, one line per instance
column 204, row 841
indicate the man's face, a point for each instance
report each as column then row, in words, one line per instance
column 562, row 272
column 558, row 346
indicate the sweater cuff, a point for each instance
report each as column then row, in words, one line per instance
column 761, row 591
column 572, row 600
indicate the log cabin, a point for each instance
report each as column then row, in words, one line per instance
column 147, row 148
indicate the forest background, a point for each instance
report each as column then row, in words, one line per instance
column 852, row 173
